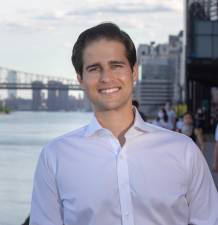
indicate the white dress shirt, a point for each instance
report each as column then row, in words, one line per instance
column 158, row 177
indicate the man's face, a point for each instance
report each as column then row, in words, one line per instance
column 107, row 77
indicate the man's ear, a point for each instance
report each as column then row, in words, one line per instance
column 135, row 72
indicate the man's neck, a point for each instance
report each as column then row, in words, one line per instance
column 117, row 121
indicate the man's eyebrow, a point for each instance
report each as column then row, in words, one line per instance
column 117, row 62
column 92, row 65
column 99, row 65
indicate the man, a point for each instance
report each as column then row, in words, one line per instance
column 171, row 115
column 119, row 170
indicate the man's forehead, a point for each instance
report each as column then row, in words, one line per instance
column 104, row 49
column 102, row 41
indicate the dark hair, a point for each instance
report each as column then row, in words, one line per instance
column 187, row 113
column 165, row 116
column 108, row 31
column 135, row 103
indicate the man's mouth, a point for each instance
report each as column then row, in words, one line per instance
column 109, row 90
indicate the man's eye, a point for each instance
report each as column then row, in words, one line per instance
column 93, row 69
column 116, row 66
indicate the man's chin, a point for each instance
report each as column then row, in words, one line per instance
column 108, row 107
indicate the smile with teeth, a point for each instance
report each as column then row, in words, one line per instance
column 109, row 90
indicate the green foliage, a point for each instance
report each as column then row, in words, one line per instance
column 4, row 110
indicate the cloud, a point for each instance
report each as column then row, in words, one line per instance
column 130, row 8
column 17, row 26
column 117, row 9
column 49, row 16
column 94, row 12
column 14, row 25
column 25, row 27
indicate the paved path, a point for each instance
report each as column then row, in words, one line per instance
column 209, row 147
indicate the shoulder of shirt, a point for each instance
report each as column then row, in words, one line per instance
column 154, row 128
column 183, row 143
column 78, row 133
column 157, row 129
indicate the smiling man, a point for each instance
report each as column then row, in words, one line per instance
column 119, row 170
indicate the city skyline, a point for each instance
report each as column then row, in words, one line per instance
column 38, row 36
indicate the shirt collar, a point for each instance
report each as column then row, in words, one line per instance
column 93, row 127
column 139, row 124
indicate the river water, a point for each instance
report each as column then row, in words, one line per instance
column 22, row 135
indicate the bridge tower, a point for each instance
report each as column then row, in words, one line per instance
column 37, row 87
column 57, row 96
column 12, row 78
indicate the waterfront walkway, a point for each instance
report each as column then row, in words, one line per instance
column 209, row 147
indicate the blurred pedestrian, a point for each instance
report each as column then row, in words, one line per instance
column 162, row 119
column 199, row 128
column 187, row 126
column 171, row 115
column 215, row 162
column 179, row 123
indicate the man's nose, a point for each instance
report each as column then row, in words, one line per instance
column 106, row 75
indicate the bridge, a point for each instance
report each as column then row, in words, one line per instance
column 13, row 79
column 48, row 92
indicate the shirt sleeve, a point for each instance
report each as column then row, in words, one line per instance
column 202, row 195
column 45, row 205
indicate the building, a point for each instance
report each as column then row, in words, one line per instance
column 176, row 63
column 201, row 35
column 214, row 10
column 159, row 74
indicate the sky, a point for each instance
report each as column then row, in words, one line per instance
column 37, row 36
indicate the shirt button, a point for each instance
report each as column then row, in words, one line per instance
column 126, row 214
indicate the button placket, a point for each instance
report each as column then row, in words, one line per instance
column 124, row 188
column 115, row 144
